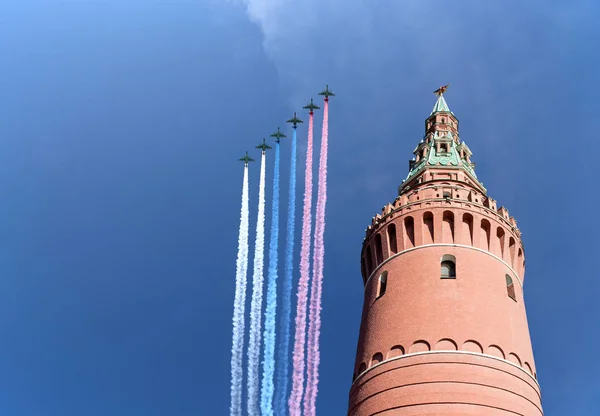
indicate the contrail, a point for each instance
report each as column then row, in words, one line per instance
column 281, row 390
column 266, row 394
column 314, row 325
column 237, row 347
column 257, row 299
column 295, row 399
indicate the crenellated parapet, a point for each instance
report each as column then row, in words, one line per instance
column 449, row 195
column 449, row 206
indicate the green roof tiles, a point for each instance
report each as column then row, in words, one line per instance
column 442, row 148
column 440, row 105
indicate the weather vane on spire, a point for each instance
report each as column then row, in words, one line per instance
column 441, row 90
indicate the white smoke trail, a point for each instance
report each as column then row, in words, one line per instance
column 257, row 300
column 237, row 347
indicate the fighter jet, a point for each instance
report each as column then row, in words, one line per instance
column 278, row 135
column 264, row 146
column 327, row 93
column 294, row 120
column 441, row 90
column 311, row 106
column 246, row 159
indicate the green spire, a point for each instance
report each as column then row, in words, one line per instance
column 441, row 146
column 440, row 105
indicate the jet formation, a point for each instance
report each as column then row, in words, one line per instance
column 278, row 135
column 327, row 93
column 246, row 159
column 264, row 146
column 311, row 106
column 294, row 120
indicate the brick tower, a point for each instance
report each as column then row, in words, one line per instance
column 444, row 329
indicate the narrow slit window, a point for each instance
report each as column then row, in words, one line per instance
column 510, row 288
column 392, row 242
column 448, row 267
column 382, row 285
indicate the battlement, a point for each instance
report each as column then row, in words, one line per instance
column 442, row 214
column 446, row 194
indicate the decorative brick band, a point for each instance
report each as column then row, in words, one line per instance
column 445, row 245
column 359, row 376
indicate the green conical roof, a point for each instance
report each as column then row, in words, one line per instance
column 440, row 105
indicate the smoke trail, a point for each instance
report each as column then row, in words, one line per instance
column 237, row 347
column 284, row 343
column 314, row 325
column 266, row 393
column 295, row 399
column 257, row 300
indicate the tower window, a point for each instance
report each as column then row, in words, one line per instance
column 382, row 284
column 448, row 267
column 369, row 260
column 392, row 242
column 378, row 249
column 510, row 288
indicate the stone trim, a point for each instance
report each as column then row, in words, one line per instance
column 443, row 245
column 444, row 352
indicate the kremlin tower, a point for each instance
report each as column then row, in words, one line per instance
column 444, row 329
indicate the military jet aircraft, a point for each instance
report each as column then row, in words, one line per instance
column 264, row 146
column 278, row 135
column 246, row 159
column 327, row 93
column 311, row 106
column 441, row 90
column 294, row 120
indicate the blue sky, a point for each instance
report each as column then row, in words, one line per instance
column 120, row 126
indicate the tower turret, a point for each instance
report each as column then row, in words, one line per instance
column 444, row 328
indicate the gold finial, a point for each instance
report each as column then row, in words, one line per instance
column 441, row 90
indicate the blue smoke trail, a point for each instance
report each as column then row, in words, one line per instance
column 266, row 393
column 284, row 344
column 257, row 300
column 237, row 347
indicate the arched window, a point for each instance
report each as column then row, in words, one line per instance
column 377, row 358
column 448, row 227
column 467, row 232
column 392, row 242
column 428, row 237
column 448, row 267
column 378, row 250
column 511, row 250
column 382, row 284
column 484, row 238
column 409, row 232
column 362, row 368
column 510, row 288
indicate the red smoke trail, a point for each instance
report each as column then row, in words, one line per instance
column 314, row 323
column 295, row 399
